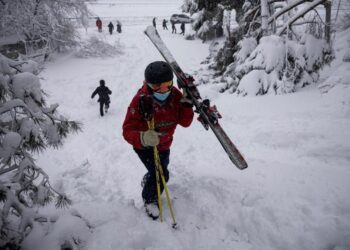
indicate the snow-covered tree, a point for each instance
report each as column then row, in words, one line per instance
column 207, row 16
column 276, row 65
column 272, row 46
column 27, row 126
column 42, row 23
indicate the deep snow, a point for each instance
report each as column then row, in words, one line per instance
column 294, row 195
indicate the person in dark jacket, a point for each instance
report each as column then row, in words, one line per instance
column 154, row 22
column 103, row 93
column 169, row 108
column 110, row 28
column 173, row 27
column 182, row 27
column 119, row 27
column 165, row 27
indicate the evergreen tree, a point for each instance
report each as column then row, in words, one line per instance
column 246, row 62
column 28, row 125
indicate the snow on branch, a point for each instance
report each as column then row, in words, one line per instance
column 8, row 106
column 286, row 9
column 276, row 65
column 300, row 14
column 27, row 125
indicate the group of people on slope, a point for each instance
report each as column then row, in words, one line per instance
column 110, row 26
column 119, row 26
column 173, row 27
column 169, row 107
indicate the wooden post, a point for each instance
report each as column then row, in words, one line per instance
column 327, row 29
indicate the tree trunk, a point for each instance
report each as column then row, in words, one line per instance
column 264, row 17
column 327, row 29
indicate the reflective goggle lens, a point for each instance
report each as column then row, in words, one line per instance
column 161, row 87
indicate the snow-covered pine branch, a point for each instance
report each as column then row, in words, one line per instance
column 276, row 65
column 27, row 125
column 256, row 58
column 300, row 14
column 287, row 8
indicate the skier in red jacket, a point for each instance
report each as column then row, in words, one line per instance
column 169, row 107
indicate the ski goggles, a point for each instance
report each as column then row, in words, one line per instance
column 161, row 87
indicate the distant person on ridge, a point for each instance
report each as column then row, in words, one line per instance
column 103, row 93
column 110, row 27
column 157, row 98
column 119, row 27
column 154, row 22
column 182, row 27
column 173, row 27
column 165, row 27
column 99, row 24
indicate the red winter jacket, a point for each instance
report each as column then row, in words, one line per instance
column 99, row 23
column 166, row 117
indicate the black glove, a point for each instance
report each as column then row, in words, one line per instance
column 146, row 107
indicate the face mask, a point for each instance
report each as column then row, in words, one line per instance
column 161, row 96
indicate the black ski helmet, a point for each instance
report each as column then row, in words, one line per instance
column 158, row 72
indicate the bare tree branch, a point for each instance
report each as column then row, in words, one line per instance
column 275, row 1
column 286, row 9
column 3, row 171
column 300, row 14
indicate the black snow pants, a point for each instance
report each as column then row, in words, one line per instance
column 104, row 104
column 149, row 192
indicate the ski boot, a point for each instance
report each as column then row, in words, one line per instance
column 152, row 210
column 144, row 179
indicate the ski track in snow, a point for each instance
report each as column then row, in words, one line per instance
column 294, row 194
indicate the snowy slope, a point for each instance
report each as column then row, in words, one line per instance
column 294, row 195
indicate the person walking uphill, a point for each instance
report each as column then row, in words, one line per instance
column 103, row 93
column 165, row 27
column 110, row 28
column 173, row 27
column 167, row 106
column 119, row 27
column 99, row 24
column 182, row 27
column 154, row 22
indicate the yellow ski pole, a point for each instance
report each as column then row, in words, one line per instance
column 159, row 194
column 166, row 191
column 159, row 171
column 155, row 154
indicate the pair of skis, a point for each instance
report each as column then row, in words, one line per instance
column 208, row 115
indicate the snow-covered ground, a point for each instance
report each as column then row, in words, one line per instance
column 294, row 195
